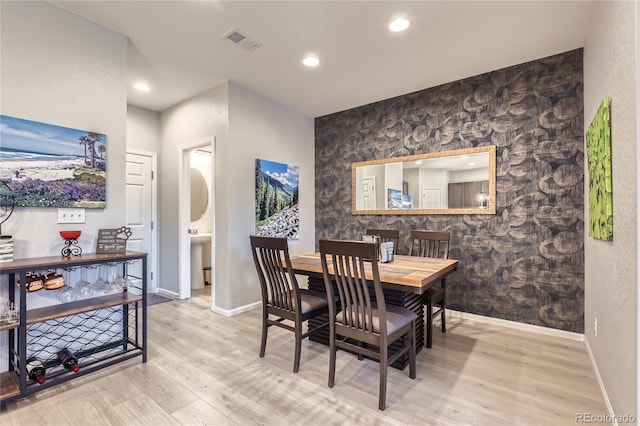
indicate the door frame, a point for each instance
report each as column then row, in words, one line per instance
column 184, row 217
column 152, row 264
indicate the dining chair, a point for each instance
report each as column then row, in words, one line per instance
column 365, row 325
column 386, row 235
column 432, row 244
column 281, row 296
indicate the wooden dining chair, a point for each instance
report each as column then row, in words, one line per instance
column 281, row 296
column 432, row 244
column 365, row 325
column 386, row 235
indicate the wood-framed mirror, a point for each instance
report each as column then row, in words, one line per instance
column 462, row 181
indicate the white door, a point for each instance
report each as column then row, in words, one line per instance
column 431, row 198
column 140, row 213
column 369, row 193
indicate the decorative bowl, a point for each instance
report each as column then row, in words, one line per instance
column 70, row 235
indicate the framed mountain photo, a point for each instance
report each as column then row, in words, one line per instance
column 277, row 212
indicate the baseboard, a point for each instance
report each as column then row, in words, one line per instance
column 236, row 311
column 168, row 293
column 517, row 325
column 607, row 402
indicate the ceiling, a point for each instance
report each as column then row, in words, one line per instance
column 179, row 49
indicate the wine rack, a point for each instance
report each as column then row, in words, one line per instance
column 101, row 331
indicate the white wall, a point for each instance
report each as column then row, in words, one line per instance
column 200, row 117
column 61, row 69
column 143, row 129
column 261, row 128
column 392, row 180
column 246, row 126
column 611, row 271
column 469, row 175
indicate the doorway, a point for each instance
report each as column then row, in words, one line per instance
column 188, row 228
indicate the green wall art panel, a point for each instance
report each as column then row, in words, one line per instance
column 599, row 165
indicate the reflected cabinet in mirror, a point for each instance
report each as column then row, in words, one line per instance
column 450, row 182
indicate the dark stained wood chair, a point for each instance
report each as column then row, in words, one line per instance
column 281, row 296
column 432, row 244
column 365, row 325
column 386, row 235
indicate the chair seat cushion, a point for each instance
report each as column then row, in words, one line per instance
column 434, row 294
column 310, row 301
column 397, row 317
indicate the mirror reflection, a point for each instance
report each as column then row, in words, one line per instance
column 199, row 194
column 450, row 182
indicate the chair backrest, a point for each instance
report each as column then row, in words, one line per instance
column 430, row 244
column 346, row 267
column 278, row 284
column 386, row 235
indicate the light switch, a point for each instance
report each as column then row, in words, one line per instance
column 71, row 215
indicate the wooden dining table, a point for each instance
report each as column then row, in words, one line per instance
column 404, row 280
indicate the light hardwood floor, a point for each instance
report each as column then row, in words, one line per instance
column 204, row 369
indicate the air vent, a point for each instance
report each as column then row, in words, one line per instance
column 242, row 40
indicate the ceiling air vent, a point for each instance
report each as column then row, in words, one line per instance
column 240, row 39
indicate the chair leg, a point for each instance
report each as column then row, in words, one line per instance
column 265, row 326
column 360, row 356
column 332, row 355
column 412, row 352
column 298, row 333
column 443, row 302
column 428, row 324
column 384, row 359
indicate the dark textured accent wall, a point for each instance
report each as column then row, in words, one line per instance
column 526, row 262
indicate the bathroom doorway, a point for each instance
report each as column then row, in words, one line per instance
column 196, row 218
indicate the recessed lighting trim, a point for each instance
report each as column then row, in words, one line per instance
column 399, row 25
column 311, row 61
column 143, row 87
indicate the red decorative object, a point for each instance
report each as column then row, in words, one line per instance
column 71, row 247
column 70, row 235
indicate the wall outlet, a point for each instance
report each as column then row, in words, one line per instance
column 595, row 326
column 71, row 215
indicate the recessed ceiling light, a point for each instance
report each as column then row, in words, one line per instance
column 472, row 163
column 311, row 61
column 399, row 24
column 418, row 162
column 143, row 87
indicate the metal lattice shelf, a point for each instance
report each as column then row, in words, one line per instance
column 100, row 331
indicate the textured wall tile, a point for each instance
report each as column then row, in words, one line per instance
column 526, row 263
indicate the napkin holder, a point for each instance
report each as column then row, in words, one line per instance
column 386, row 252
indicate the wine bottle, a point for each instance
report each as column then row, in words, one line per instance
column 35, row 370
column 68, row 360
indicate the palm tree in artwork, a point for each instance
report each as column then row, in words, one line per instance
column 101, row 150
column 83, row 142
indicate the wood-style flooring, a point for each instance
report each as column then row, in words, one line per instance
column 204, row 369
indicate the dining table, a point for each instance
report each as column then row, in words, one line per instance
column 404, row 280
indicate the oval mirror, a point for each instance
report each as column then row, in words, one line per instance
column 199, row 194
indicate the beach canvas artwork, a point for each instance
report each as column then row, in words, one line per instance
column 53, row 166
column 277, row 212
